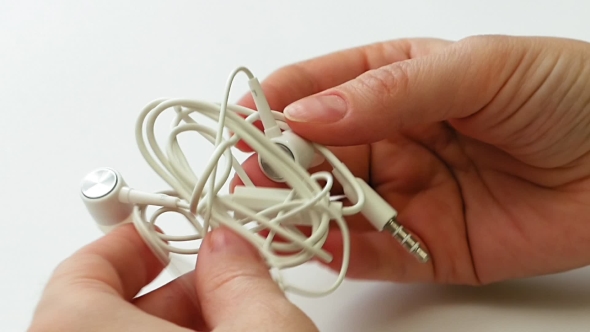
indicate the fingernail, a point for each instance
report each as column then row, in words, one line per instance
column 226, row 241
column 318, row 109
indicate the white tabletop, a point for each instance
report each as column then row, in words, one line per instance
column 75, row 74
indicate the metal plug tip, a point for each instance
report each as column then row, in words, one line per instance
column 422, row 255
column 406, row 239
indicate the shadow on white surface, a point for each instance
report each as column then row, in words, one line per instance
column 538, row 304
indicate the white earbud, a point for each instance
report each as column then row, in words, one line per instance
column 110, row 201
column 297, row 148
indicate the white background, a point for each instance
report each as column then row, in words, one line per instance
column 75, row 74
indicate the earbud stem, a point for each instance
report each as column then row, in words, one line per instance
column 271, row 128
column 132, row 196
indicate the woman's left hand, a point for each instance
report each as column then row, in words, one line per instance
column 96, row 288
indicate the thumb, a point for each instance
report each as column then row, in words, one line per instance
column 236, row 291
column 454, row 83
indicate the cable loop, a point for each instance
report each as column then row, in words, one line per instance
column 288, row 234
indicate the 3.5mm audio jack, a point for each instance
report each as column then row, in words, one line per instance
column 383, row 216
column 406, row 239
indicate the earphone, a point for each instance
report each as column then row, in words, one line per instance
column 270, row 218
column 298, row 149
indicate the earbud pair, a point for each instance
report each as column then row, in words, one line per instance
column 110, row 200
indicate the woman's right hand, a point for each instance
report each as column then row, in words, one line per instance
column 482, row 145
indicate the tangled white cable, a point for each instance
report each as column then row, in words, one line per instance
column 307, row 204
column 271, row 219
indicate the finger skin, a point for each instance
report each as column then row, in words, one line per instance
column 175, row 302
column 452, row 82
column 300, row 80
column 90, row 291
column 236, row 290
column 312, row 76
column 512, row 92
column 434, row 220
column 521, row 98
column 377, row 256
column 119, row 263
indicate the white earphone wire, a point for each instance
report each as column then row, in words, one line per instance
column 307, row 205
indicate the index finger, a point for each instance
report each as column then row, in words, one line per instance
column 309, row 77
column 119, row 263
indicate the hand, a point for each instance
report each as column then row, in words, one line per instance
column 94, row 290
column 482, row 145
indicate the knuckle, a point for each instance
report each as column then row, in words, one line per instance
column 296, row 72
column 496, row 51
column 290, row 83
column 64, row 313
column 266, row 300
column 231, row 279
column 492, row 48
column 381, row 54
column 486, row 41
column 383, row 83
column 394, row 78
column 286, row 71
column 280, row 311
